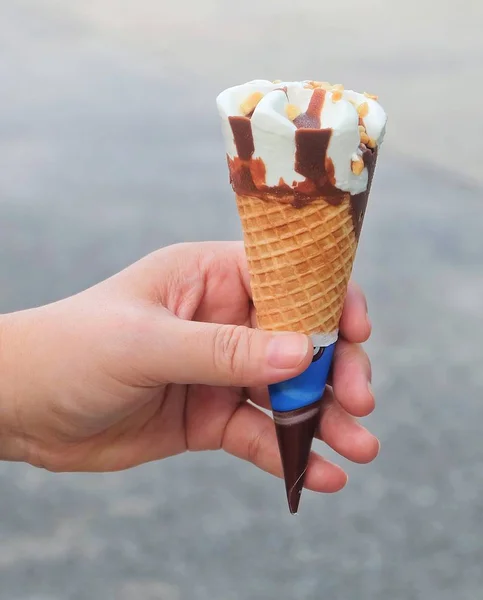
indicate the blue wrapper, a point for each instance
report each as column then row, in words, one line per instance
column 308, row 387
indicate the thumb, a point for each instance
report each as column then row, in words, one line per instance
column 212, row 354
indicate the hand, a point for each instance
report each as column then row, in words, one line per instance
column 161, row 359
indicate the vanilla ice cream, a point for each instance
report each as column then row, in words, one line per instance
column 267, row 124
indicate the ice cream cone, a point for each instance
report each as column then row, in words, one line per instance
column 301, row 158
column 300, row 261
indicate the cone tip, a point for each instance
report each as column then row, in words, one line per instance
column 294, row 493
column 295, row 432
column 293, row 505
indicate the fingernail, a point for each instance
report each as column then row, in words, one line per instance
column 370, row 388
column 368, row 321
column 378, row 447
column 287, row 350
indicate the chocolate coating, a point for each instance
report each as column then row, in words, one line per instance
column 359, row 201
column 295, row 432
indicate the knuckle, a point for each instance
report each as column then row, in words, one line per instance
column 231, row 350
column 361, row 359
column 349, row 357
column 49, row 460
column 343, row 351
column 256, row 445
column 253, row 450
column 368, row 364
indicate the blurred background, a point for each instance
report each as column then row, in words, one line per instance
column 109, row 138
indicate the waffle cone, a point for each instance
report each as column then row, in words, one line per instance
column 300, row 261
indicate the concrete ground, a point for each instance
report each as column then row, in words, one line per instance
column 108, row 139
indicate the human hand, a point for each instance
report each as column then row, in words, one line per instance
column 160, row 359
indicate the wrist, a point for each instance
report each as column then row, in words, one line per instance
column 12, row 371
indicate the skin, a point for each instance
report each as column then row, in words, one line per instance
column 161, row 359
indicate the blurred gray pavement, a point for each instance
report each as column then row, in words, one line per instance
column 110, row 148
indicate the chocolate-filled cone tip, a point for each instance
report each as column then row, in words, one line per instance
column 295, row 433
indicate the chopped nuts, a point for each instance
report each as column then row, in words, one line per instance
column 362, row 129
column 292, row 111
column 338, row 87
column 357, row 166
column 371, row 143
column 325, row 85
column 365, row 139
column 371, row 96
column 353, row 102
column 277, row 81
column 336, row 96
column 363, row 110
column 249, row 105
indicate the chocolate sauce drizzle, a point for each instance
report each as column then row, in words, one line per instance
column 247, row 175
column 243, row 136
column 310, row 119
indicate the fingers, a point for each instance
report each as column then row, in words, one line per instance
column 351, row 379
column 181, row 351
column 338, row 429
column 355, row 325
column 250, row 435
column 180, row 269
column 344, row 434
